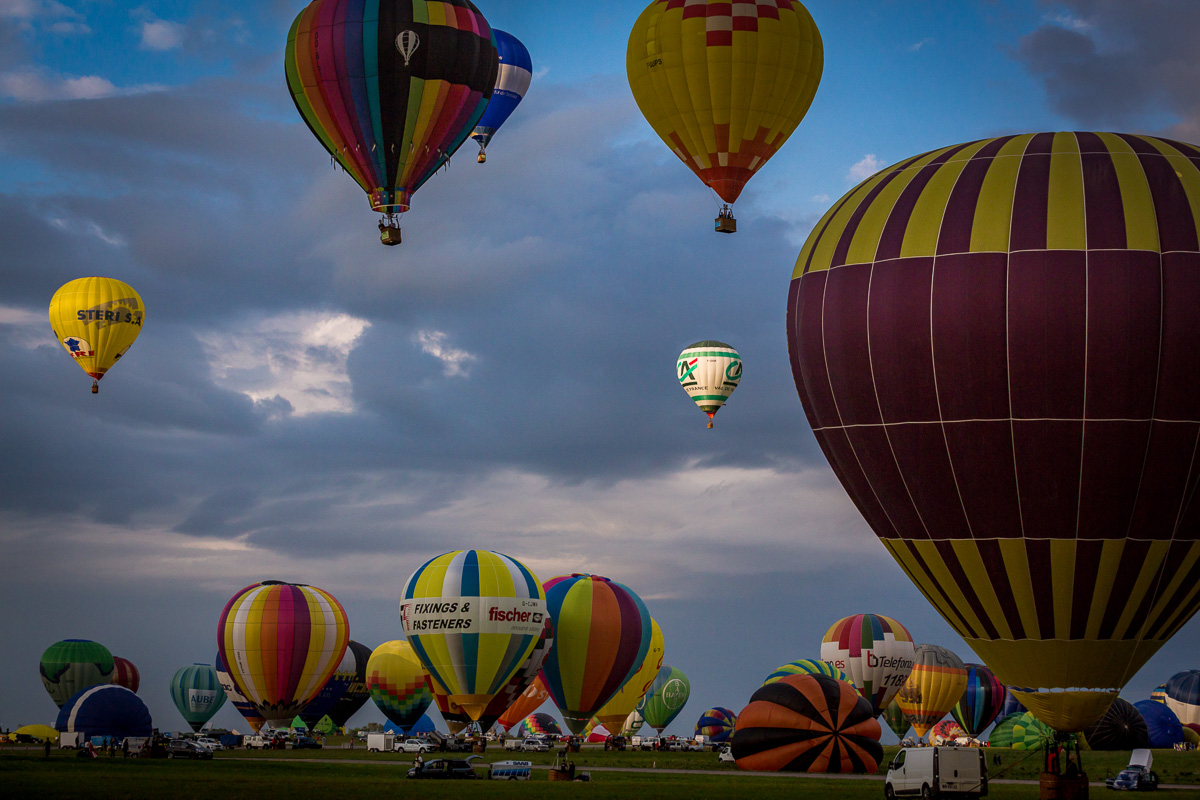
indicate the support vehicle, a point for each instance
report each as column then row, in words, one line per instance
column 937, row 772
column 1137, row 776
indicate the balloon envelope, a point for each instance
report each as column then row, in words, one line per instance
column 512, row 81
column 1183, row 695
column 666, row 698
column 981, row 701
column 529, row 701
column 523, row 679
column 895, row 719
column 239, row 701
column 126, row 674
column 96, row 320
column 280, row 643
column 724, row 84
column 1121, row 728
column 1021, row 731
column 614, row 713
column 1162, row 726
column 398, row 683
column 537, row 724
column 105, row 710
column 807, row 723
column 357, row 693
column 996, row 346
column 875, row 651
column 709, row 371
column 71, row 665
column 473, row 617
column 197, row 694
column 946, row 732
column 717, row 724
column 937, row 681
column 391, row 88
column 808, row 667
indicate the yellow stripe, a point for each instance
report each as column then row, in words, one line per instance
column 813, row 238
column 1066, row 223
column 992, row 225
column 1166, row 594
column 979, row 579
column 1016, row 565
column 1141, row 224
column 925, row 222
column 1147, row 576
column 1111, row 552
column 1186, row 171
column 1062, row 578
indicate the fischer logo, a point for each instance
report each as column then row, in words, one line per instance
column 888, row 662
column 495, row 614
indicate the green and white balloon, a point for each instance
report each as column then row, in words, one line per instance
column 709, row 371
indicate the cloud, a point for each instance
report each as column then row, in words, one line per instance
column 161, row 35
column 863, row 169
column 913, row 48
column 35, row 85
column 455, row 361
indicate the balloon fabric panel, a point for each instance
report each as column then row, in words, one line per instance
column 614, row 713
column 398, row 683
column 1182, row 695
column 244, row 707
column 126, row 674
column 1050, row 274
column 981, row 701
column 69, row 666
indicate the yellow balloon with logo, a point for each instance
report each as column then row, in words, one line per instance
column 613, row 714
column 96, row 320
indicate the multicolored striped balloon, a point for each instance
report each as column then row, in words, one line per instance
column 614, row 713
column 602, row 636
column 398, row 683
column 456, row 719
column 981, row 701
column 1021, row 731
column 244, row 707
column 937, row 681
column 807, row 723
column 72, row 665
column 946, row 732
column 391, row 88
column 709, row 371
column 1159, row 695
column 126, row 674
column 538, row 724
column 807, row 666
column 473, row 617
column 875, row 651
column 523, row 679
column 717, row 724
column 281, row 642
column 666, row 698
column 197, row 694
column 996, row 346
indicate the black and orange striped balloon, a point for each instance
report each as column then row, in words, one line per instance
column 807, row 723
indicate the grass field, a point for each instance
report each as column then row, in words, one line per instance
column 288, row 774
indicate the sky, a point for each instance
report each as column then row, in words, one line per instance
column 306, row 405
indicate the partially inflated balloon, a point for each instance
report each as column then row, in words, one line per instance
column 614, row 713
column 1159, row 695
column 126, row 674
column 709, row 372
column 717, row 724
column 391, row 88
column 1021, row 731
column 724, row 84
column 1121, row 728
column 537, row 725
column 398, row 683
column 666, row 698
column 893, row 715
column 1183, row 695
column 875, row 651
column 807, row 666
column 937, row 681
column 72, row 665
column 997, row 348
column 357, row 693
column 981, row 701
column 96, row 320
column 602, row 636
column 633, row 723
column 1162, row 725
column 334, row 689
column 197, row 694
column 946, row 732
column 105, row 710
column 244, row 707
column 473, row 617
column 529, row 701
column 281, row 642
column 512, row 81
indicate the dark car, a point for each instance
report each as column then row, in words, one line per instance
column 185, row 748
column 1137, row 776
column 305, row 743
column 447, row 768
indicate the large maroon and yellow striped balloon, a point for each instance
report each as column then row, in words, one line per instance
column 126, row 674
column 281, row 642
column 998, row 349
column 808, row 723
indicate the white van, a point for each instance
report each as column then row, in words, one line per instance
column 937, row 772
column 510, row 770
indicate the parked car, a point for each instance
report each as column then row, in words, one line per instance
column 185, row 748
column 529, row 744
column 650, row 743
column 417, row 746
column 456, row 745
column 725, row 754
column 445, row 768
column 211, row 744
column 306, row 743
column 1137, row 776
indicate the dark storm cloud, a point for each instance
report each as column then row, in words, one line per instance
column 1115, row 63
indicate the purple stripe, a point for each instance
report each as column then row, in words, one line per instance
column 966, row 590
column 1087, row 567
column 1122, row 587
column 1189, row 151
column 1047, row 457
column 1037, row 551
column 993, row 564
column 1102, row 195
column 897, row 224
column 843, row 245
column 824, row 230
column 806, row 348
column 1176, row 225
column 870, row 445
column 1031, row 196
column 1178, row 602
column 955, row 236
column 900, row 347
column 927, row 579
column 988, row 485
column 844, row 329
column 301, row 635
column 921, row 455
column 840, row 453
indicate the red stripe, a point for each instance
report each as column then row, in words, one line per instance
column 719, row 38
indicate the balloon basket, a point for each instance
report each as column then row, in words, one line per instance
column 482, row 159
column 559, row 774
column 725, row 223
column 1063, row 787
column 710, row 424
column 95, row 387
column 389, row 235
column 479, row 747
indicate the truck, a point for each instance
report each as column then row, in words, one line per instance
column 380, row 742
column 72, row 739
column 937, row 772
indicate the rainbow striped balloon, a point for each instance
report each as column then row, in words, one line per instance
column 717, row 724
column 602, row 637
column 280, row 643
column 807, row 666
column 473, row 617
column 875, row 651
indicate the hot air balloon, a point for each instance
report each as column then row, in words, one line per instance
column 875, row 651
column 717, row 724
column 666, row 698
column 633, row 723
column 105, row 710
column 895, row 719
column 281, row 642
column 807, row 666
column 391, row 88
column 602, row 635
column 1162, row 725
column 1121, row 728
column 996, row 345
column 72, row 665
column 473, row 617
column 807, row 723
column 529, row 701
column 946, row 732
column 398, row 683
column 343, row 678
column 244, row 707
column 357, row 693
column 126, row 674
column 537, row 725
column 1021, row 731
column 456, row 719
column 512, row 81
column 937, row 681
column 1183, row 695
column 522, row 679
column 981, row 701
column 709, row 372
column 1159, row 695
column 197, row 694
column 96, row 320
column 724, row 84
column 614, row 713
